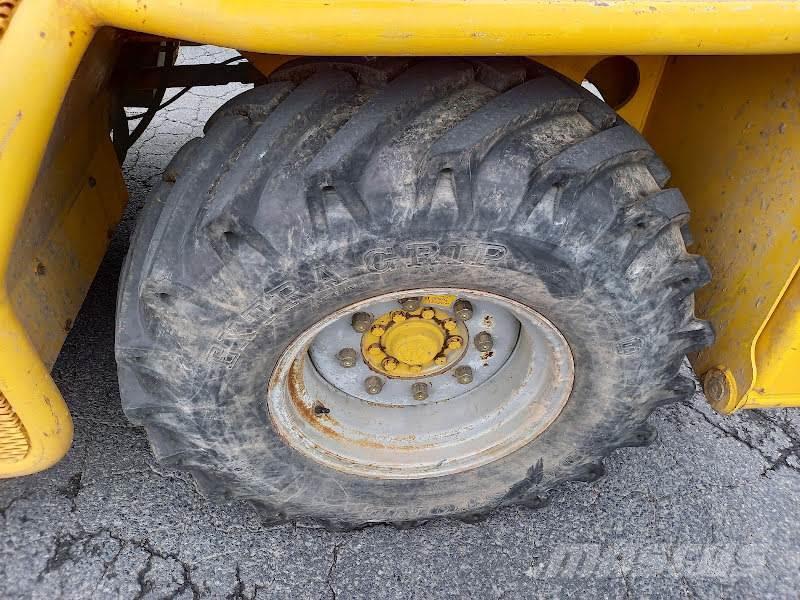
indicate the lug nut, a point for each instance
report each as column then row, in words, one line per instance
column 428, row 313
column 373, row 384
column 415, row 369
column 440, row 360
column 420, row 391
column 377, row 330
column 347, row 357
column 484, row 341
column 389, row 363
column 361, row 321
column 375, row 350
column 411, row 304
column 450, row 325
column 463, row 309
column 463, row 374
column 454, row 342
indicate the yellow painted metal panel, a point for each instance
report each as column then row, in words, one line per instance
column 729, row 129
column 438, row 27
column 40, row 51
column 635, row 111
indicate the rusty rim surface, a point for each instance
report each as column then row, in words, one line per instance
column 514, row 392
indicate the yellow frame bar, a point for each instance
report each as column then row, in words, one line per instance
column 435, row 27
column 46, row 39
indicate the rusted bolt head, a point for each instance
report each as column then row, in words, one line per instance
column 411, row 304
column 389, row 363
column 321, row 410
column 361, row 321
column 719, row 387
column 484, row 341
column 347, row 357
column 373, row 384
column 463, row 309
column 454, row 342
column 377, row 330
column 463, row 374
column 419, row 390
column 428, row 313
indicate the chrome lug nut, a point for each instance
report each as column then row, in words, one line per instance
column 463, row 374
column 347, row 357
column 411, row 304
column 484, row 341
column 361, row 321
column 463, row 309
column 373, row 384
column 419, row 391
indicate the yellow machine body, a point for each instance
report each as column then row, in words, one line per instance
column 727, row 126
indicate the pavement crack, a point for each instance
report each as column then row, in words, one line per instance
column 329, row 577
column 773, row 463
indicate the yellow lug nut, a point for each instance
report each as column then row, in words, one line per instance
column 377, row 330
column 399, row 316
column 415, row 369
column 389, row 363
column 454, row 342
column 428, row 313
column 375, row 350
column 440, row 360
column 450, row 325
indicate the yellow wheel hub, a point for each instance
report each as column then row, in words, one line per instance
column 412, row 344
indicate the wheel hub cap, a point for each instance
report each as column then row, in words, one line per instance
column 410, row 344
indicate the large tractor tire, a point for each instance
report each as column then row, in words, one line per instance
column 384, row 291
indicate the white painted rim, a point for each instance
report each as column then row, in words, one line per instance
column 392, row 437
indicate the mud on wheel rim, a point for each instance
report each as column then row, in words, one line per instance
column 417, row 410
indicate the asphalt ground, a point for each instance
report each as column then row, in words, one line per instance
column 711, row 509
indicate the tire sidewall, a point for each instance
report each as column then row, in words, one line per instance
column 610, row 350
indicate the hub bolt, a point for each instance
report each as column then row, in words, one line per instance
column 463, row 309
column 373, row 384
column 361, row 321
column 428, row 313
column 375, row 350
column 484, row 341
column 463, row 374
column 399, row 316
column 389, row 363
column 454, row 342
column 377, row 330
column 420, row 391
column 347, row 357
column 411, row 304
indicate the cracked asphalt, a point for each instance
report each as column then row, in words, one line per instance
column 711, row 509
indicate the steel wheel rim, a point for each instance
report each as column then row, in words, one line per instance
column 320, row 413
